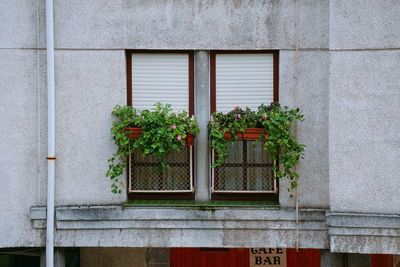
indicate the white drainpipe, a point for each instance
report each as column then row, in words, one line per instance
column 50, row 135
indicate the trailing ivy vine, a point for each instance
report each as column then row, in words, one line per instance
column 163, row 131
column 281, row 144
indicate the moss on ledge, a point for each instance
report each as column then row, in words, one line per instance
column 197, row 204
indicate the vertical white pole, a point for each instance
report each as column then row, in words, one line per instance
column 50, row 134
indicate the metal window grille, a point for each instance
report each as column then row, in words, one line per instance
column 247, row 169
column 144, row 174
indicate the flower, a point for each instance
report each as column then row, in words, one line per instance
column 265, row 116
column 236, row 107
column 173, row 126
column 179, row 137
column 237, row 116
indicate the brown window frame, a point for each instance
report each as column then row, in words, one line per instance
column 275, row 54
column 161, row 195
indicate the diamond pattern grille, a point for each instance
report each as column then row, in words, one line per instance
column 247, row 169
column 145, row 174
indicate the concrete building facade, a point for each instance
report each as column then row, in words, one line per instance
column 339, row 62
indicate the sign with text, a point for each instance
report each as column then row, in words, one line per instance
column 271, row 257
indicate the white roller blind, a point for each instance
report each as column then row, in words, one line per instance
column 244, row 80
column 160, row 78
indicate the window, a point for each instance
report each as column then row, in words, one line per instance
column 166, row 77
column 243, row 79
column 162, row 77
column 236, row 79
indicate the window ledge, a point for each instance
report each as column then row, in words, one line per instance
column 197, row 204
column 184, row 226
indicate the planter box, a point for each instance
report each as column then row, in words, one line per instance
column 250, row 134
column 189, row 140
column 134, row 133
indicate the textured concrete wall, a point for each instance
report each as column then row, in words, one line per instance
column 19, row 146
column 18, row 23
column 88, row 84
column 367, row 24
column 305, row 85
column 199, row 24
column 364, row 140
column 364, row 103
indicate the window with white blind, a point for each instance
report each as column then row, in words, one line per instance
column 160, row 77
column 165, row 77
column 243, row 79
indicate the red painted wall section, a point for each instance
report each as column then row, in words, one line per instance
column 381, row 260
column 196, row 257
column 303, row 258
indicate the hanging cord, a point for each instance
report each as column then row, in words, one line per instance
column 295, row 99
column 38, row 170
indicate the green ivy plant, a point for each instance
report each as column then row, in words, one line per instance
column 281, row 144
column 163, row 131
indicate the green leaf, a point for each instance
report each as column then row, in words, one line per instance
column 157, row 138
column 277, row 122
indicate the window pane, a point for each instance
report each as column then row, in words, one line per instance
column 247, row 169
column 146, row 177
column 228, row 178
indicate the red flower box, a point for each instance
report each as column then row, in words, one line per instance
column 250, row 134
column 189, row 140
column 134, row 133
